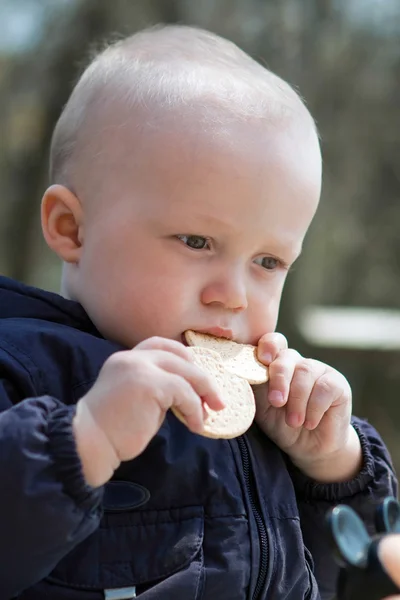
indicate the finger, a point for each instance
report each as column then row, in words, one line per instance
column 328, row 390
column 201, row 382
column 389, row 553
column 302, row 385
column 185, row 403
column 281, row 372
column 269, row 346
column 160, row 343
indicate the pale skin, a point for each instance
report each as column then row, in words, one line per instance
column 389, row 553
column 195, row 231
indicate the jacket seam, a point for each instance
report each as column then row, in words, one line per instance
column 203, row 517
column 18, row 356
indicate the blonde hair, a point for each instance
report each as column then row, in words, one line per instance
column 175, row 66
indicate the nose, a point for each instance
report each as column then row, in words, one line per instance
column 228, row 290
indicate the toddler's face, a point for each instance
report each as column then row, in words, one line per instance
column 199, row 233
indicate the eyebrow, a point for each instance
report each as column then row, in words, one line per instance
column 200, row 219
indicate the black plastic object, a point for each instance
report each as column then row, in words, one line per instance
column 362, row 575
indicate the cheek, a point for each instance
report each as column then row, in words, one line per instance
column 158, row 291
column 264, row 317
column 158, row 305
column 263, row 312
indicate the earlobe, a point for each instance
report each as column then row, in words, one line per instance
column 62, row 222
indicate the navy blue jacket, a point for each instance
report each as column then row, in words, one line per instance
column 190, row 518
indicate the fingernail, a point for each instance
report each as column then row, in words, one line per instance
column 276, row 397
column 266, row 357
column 294, row 420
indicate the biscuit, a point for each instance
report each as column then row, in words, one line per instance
column 239, row 359
column 239, row 411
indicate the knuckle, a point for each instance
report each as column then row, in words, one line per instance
column 279, row 370
column 325, row 386
column 304, row 369
column 296, row 397
column 133, row 366
column 119, row 361
column 178, row 386
column 164, row 395
column 314, row 409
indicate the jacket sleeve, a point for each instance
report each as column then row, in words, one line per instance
column 375, row 481
column 46, row 508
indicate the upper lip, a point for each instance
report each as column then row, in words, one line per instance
column 217, row 332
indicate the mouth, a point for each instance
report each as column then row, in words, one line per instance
column 219, row 332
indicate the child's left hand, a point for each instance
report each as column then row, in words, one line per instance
column 305, row 408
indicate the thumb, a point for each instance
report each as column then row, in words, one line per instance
column 269, row 346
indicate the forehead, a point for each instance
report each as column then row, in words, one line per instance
column 210, row 165
column 181, row 150
column 240, row 183
column 190, row 108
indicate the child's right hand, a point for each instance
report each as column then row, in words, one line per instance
column 126, row 406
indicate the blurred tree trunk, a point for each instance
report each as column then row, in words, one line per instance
column 50, row 72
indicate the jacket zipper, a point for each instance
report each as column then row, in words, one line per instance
column 256, row 510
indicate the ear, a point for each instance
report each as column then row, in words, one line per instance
column 62, row 222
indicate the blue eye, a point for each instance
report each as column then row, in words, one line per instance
column 267, row 262
column 196, row 242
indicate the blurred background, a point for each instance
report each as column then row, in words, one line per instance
column 341, row 302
